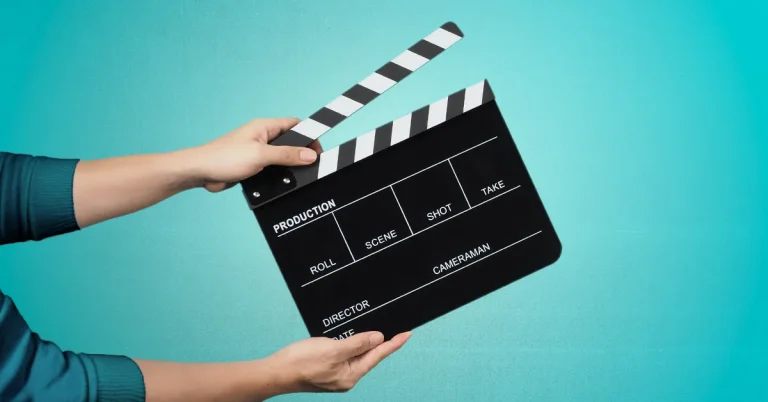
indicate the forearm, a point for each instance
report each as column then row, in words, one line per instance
column 191, row 382
column 109, row 188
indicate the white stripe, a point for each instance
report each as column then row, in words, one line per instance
column 442, row 38
column 473, row 96
column 310, row 128
column 364, row 145
column 410, row 60
column 328, row 162
column 344, row 106
column 437, row 112
column 401, row 129
column 377, row 82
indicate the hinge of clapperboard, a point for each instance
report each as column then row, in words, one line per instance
column 276, row 181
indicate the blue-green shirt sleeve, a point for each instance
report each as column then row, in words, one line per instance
column 36, row 203
column 35, row 197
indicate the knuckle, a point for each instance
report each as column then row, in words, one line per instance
column 358, row 344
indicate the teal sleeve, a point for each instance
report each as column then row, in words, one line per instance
column 33, row 369
column 35, row 197
column 36, row 203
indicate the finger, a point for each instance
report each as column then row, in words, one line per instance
column 287, row 156
column 360, row 343
column 316, row 146
column 368, row 361
column 215, row 187
column 218, row 187
column 277, row 126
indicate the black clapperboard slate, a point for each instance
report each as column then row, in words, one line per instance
column 409, row 221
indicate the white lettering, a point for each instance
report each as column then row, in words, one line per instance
column 380, row 239
column 439, row 212
column 322, row 266
column 305, row 216
column 461, row 258
column 493, row 187
column 345, row 334
column 346, row 313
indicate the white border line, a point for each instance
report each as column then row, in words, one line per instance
column 497, row 195
column 344, row 237
column 429, row 283
column 466, row 210
column 328, row 213
column 430, row 167
column 405, row 238
column 389, row 185
column 401, row 209
column 460, row 186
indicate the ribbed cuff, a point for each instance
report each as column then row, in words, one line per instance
column 51, row 197
column 117, row 378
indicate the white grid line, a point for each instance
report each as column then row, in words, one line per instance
column 429, row 283
column 391, row 184
column 406, row 238
column 343, row 237
column 401, row 209
column 460, row 186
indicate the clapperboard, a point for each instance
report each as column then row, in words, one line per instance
column 409, row 221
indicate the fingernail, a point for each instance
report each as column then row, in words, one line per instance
column 307, row 155
column 376, row 338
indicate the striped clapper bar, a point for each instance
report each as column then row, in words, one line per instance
column 409, row 221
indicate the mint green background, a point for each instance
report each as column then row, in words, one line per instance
column 643, row 125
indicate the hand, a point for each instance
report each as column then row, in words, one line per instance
column 328, row 365
column 245, row 151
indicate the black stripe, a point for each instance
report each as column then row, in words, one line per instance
column 426, row 49
column 306, row 174
column 360, row 94
column 455, row 104
column 293, row 139
column 419, row 120
column 346, row 154
column 327, row 117
column 393, row 71
column 452, row 28
column 383, row 137
column 487, row 92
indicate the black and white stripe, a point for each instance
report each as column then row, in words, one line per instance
column 395, row 132
column 371, row 86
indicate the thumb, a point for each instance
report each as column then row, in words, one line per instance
column 287, row 156
column 360, row 343
column 366, row 362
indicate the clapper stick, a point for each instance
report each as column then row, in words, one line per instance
column 408, row 221
column 275, row 181
column 365, row 91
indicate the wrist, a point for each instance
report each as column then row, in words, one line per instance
column 185, row 169
column 275, row 378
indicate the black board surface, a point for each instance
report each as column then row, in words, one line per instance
column 414, row 231
column 409, row 221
